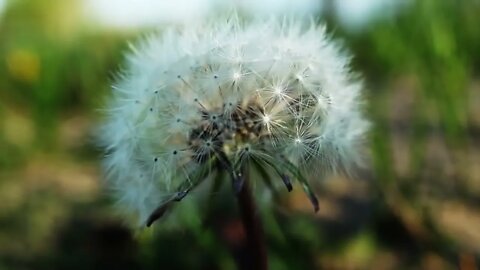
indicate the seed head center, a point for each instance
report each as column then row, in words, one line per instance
column 227, row 131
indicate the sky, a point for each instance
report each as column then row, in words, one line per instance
column 356, row 13
column 139, row 13
column 142, row 13
column 2, row 5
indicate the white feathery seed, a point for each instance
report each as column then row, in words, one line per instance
column 265, row 91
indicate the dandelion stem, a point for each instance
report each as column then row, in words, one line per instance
column 253, row 226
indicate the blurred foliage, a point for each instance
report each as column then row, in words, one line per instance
column 438, row 42
column 433, row 45
column 418, row 209
column 48, row 74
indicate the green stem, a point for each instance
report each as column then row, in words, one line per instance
column 253, row 226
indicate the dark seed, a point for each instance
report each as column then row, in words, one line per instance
column 313, row 199
column 180, row 195
column 157, row 213
column 287, row 182
column 238, row 183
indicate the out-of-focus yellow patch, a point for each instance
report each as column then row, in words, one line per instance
column 18, row 129
column 361, row 249
column 12, row 195
column 23, row 65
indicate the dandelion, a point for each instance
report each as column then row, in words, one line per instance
column 229, row 97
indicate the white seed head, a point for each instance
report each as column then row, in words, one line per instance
column 262, row 91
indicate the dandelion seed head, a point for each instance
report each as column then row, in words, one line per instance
column 236, row 75
column 266, row 119
column 230, row 92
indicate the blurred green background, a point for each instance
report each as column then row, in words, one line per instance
column 416, row 206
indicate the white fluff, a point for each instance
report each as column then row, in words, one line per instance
column 307, row 105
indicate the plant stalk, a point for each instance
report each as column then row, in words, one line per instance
column 253, row 226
